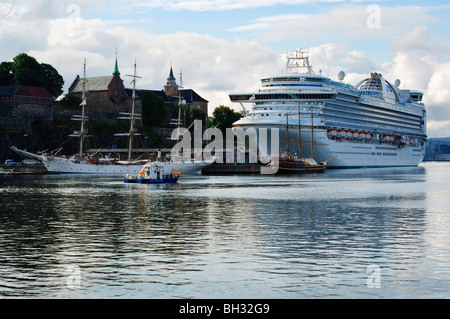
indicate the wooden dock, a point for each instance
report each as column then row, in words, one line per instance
column 224, row 169
column 22, row 169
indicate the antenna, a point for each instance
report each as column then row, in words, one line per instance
column 181, row 78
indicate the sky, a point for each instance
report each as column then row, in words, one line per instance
column 226, row 46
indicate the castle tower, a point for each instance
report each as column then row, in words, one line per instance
column 171, row 88
column 116, row 89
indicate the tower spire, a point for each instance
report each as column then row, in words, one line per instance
column 116, row 69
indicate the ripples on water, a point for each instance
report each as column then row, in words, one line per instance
column 308, row 236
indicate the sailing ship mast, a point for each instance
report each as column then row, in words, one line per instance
column 300, row 133
column 82, row 133
column 177, row 122
column 131, row 116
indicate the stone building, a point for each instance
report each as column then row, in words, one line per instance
column 173, row 92
column 20, row 106
column 106, row 95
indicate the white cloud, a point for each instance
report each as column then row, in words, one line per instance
column 421, row 69
column 221, row 5
column 334, row 57
column 343, row 21
column 438, row 86
column 438, row 128
column 211, row 66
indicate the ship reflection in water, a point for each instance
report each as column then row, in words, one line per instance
column 308, row 236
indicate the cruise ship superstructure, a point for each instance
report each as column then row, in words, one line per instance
column 372, row 124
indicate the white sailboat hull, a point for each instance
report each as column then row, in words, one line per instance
column 66, row 166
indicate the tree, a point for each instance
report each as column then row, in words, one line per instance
column 6, row 74
column 154, row 110
column 70, row 101
column 51, row 79
column 26, row 70
column 224, row 117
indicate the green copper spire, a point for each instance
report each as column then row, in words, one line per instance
column 116, row 69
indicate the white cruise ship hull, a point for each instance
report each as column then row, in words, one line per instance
column 344, row 153
column 348, row 154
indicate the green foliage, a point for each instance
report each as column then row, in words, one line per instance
column 224, row 117
column 154, row 110
column 70, row 101
column 6, row 74
column 26, row 70
column 51, row 79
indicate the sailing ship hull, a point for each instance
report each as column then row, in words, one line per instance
column 66, row 166
column 293, row 166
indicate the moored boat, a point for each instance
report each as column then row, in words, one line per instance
column 301, row 165
column 366, row 117
column 152, row 173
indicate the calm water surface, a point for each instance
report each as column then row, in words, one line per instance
column 366, row 233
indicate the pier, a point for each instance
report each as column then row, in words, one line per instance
column 22, row 169
column 224, row 169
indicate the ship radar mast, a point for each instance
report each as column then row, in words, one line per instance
column 298, row 62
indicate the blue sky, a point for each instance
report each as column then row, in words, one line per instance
column 224, row 46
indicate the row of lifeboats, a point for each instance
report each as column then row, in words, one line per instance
column 349, row 134
column 360, row 135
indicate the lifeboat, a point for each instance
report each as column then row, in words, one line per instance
column 341, row 133
column 348, row 134
column 362, row 135
column 401, row 140
column 355, row 135
column 332, row 133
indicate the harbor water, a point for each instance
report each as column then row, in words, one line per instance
column 362, row 233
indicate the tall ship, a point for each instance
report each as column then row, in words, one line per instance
column 89, row 164
column 372, row 124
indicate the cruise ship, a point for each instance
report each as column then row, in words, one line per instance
column 372, row 124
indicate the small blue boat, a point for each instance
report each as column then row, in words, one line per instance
column 152, row 174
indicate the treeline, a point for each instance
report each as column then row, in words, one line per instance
column 156, row 112
column 27, row 71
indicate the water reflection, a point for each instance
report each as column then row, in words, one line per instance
column 226, row 237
